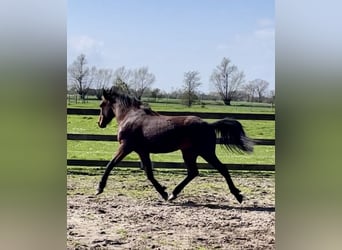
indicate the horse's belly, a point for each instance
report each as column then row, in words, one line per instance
column 168, row 144
column 170, row 135
column 162, row 146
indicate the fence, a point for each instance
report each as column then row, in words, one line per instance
column 238, row 116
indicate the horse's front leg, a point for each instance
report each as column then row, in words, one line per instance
column 146, row 161
column 121, row 153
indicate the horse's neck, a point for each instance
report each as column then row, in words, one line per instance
column 119, row 115
column 122, row 113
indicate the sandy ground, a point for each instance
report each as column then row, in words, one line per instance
column 131, row 215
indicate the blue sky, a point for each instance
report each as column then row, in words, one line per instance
column 173, row 37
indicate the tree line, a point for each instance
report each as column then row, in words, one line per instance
column 229, row 82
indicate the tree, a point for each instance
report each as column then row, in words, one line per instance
column 78, row 74
column 140, row 81
column 155, row 93
column 191, row 83
column 250, row 91
column 260, row 88
column 272, row 94
column 100, row 78
column 227, row 80
column 122, row 77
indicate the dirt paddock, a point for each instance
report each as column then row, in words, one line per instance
column 131, row 215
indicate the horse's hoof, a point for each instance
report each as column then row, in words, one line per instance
column 239, row 197
column 99, row 191
column 172, row 197
column 165, row 195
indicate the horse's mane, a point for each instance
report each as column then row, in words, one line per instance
column 127, row 101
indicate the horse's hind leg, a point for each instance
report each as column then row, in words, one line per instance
column 146, row 161
column 190, row 162
column 216, row 163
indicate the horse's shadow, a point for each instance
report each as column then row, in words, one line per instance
column 254, row 208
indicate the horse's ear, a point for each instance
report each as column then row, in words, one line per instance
column 105, row 94
column 114, row 92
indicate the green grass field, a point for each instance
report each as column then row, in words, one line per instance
column 209, row 106
column 104, row 150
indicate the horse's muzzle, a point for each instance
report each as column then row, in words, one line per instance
column 101, row 123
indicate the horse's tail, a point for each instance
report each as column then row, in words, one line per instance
column 232, row 136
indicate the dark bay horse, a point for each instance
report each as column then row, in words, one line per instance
column 144, row 131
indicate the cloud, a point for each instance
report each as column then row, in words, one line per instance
column 255, row 40
column 264, row 33
column 84, row 44
column 253, row 51
column 265, row 30
column 223, row 46
column 265, row 22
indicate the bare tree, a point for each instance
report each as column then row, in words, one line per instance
column 141, row 80
column 122, row 77
column 250, row 91
column 155, row 93
column 100, row 78
column 78, row 74
column 227, row 80
column 191, row 83
column 272, row 96
column 260, row 88
column 92, row 76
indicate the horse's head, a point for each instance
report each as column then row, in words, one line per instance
column 107, row 109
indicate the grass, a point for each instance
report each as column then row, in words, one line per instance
column 209, row 106
column 123, row 233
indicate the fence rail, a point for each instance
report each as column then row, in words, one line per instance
column 135, row 164
column 178, row 165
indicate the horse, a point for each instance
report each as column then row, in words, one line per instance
column 144, row 131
